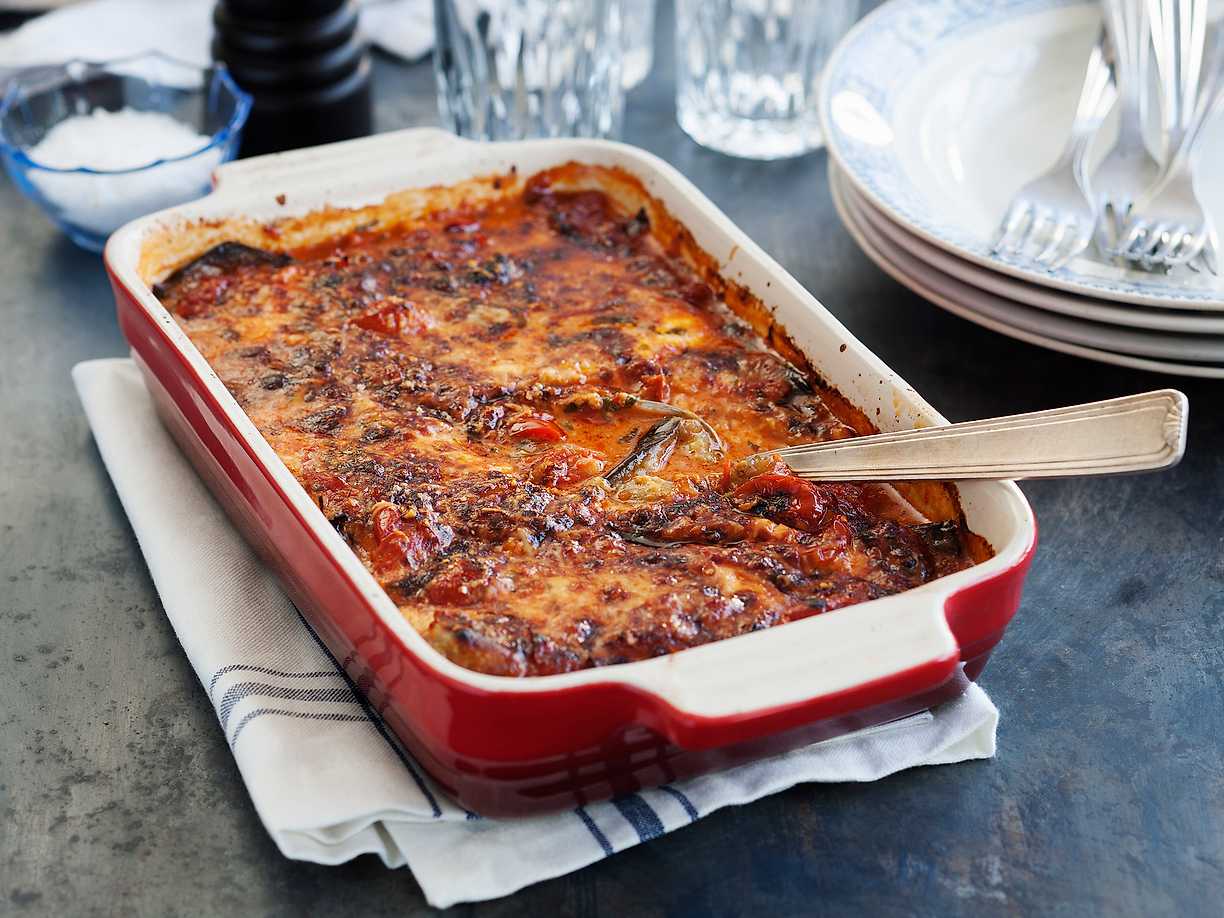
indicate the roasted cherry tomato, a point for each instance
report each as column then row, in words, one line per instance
column 785, row 498
column 325, row 481
column 385, row 518
column 200, row 295
column 394, row 318
column 834, row 546
column 697, row 293
column 655, row 386
column 410, row 545
column 538, row 427
column 647, row 378
column 566, row 465
column 461, row 584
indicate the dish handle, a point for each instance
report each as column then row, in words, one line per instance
column 826, row 666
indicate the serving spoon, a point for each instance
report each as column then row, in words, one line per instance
column 1136, row 433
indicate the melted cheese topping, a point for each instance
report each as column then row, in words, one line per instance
column 529, row 422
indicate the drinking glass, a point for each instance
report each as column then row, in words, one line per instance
column 748, row 72
column 510, row 69
column 637, row 34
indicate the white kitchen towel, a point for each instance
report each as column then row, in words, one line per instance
column 100, row 30
column 325, row 777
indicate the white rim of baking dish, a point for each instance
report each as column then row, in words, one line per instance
column 745, row 675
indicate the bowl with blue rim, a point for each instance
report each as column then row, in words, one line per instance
column 96, row 144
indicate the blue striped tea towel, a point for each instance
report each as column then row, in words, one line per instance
column 323, row 774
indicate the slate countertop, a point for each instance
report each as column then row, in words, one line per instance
column 119, row 796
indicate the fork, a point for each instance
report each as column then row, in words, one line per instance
column 1179, row 33
column 1054, row 214
column 1135, row 433
column 1129, row 168
column 1169, row 225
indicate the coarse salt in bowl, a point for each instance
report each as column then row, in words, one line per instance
column 98, row 144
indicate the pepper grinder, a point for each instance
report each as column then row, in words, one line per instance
column 305, row 65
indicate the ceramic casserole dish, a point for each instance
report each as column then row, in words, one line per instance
column 508, row 746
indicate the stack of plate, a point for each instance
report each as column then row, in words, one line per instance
column 935, row 113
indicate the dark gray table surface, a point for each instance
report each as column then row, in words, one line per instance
column 118, row 794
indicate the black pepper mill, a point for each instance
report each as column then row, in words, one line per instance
column 304, row 63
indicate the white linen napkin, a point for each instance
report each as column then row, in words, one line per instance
column 324, row 775
column 100, row 30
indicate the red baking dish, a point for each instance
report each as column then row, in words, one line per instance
column 506, row 746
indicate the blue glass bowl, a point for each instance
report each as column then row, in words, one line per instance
column 91, row 203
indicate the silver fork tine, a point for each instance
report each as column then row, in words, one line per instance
column 1079, row 243
column 1054, row 245
column 1158, row 240
column 1113, row 221
column 1147, row 247
column 1013, row 228
column 1043, row 219
column 1133, row 242
column 1192, row 245
column 1180, row 239
column 1163, row 239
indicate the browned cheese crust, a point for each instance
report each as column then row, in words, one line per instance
column 470, row 399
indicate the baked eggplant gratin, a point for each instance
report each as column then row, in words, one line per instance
column 530, row 415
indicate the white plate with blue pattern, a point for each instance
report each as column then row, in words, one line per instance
column 1127, row 315
column 938, row 111
column 1156, row 352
